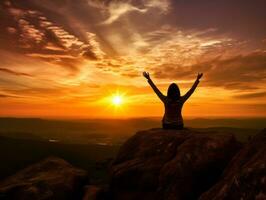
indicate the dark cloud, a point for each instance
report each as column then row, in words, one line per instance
column 9, row 71
column 235, row 17
column 242, row 72
column 4, row 96
column 251, row 95
column 8, row 96
column 131, row 74
column 89, row 54
column 70, row 63
column 33, row 30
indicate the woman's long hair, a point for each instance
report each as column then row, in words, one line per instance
column 173, row 92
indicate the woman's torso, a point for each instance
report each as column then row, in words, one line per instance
column 173, row 112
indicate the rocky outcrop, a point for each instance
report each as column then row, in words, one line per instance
column 99, row 192
column 52, row 178
column 156, row 164
column 245, row 176
column 92, row 192
column 170, row 164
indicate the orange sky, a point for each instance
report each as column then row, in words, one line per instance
column 66, row 58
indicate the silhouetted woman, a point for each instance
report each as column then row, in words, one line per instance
column 173, row 103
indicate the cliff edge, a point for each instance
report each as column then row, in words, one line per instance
column 170, row 164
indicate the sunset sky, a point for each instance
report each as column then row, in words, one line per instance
column 69, row 58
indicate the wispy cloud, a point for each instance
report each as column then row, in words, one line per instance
column 12, row 72
column 161, row 5
column 118, row 9
column 252, row 95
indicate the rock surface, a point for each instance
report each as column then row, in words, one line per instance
column 245, row 176
column 52, row 178
column 91, row 192
column 170, row 164
column 99, row 192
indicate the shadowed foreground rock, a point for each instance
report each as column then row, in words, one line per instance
column 91, row 192
column 245, row 176
column 52, row 178
column 170, row 164
column 100, row 192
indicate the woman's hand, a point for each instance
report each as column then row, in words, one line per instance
column 146, row 75
column 199, row 76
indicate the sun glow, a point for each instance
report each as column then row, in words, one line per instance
column 117, row 100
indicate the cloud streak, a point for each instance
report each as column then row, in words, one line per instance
column 116, row 10
column 9, row 71
column 251, row 95
column 6, row 96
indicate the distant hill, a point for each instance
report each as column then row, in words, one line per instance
column 109, row 131
column 16, row 154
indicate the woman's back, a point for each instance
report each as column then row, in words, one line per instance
column 173, row 102
column 173, row 112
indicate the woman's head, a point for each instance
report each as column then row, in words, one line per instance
column 173, row 92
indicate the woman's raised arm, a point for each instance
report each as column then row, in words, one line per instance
column 153, row 86
column 192, row 89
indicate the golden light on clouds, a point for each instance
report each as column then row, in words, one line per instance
column 84, row 58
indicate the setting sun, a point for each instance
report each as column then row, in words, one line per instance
column 117, row 100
